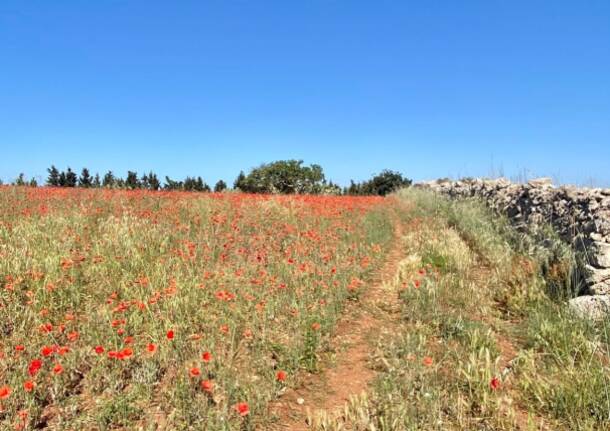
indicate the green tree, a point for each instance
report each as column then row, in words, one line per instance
column 132, row 182
column 96, row 181
column 85, row 179
column 385, row 183
column 240, row 181
column 220, row 186
column 70, row 178
column 33, row 183
column 53, row 178
column 284, row 176
column 62, row 179
column 109, row 180
column 20, row 180
column 153, row 181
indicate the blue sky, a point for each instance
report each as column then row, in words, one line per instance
column 429, row 88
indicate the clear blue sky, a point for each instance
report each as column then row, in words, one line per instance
column 429, row 88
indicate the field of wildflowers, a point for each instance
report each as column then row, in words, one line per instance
column 170, row 310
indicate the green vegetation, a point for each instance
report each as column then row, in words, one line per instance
column 485, row 340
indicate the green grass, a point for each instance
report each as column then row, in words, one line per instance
column 488, row 307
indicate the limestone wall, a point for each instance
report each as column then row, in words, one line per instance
column 581, row 216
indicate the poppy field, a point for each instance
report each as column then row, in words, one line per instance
column 170, row 310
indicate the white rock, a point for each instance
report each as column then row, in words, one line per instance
column 593, row 307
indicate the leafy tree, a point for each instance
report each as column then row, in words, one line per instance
column 171, row 184
column 70, row 178
column 85, row 179
column 153, row 181
column 386, row 182
column 132, row 182
column 284, row 176
column 20, row 180
column 53, row 179
column 144, row 182
column 240, row 181
column 382, row 184
column 109, row 180
column 220, row 186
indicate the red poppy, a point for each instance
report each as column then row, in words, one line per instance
column 35, row 365
column 29, row 386
column 207, row 385
column 427, row 361
column 99, row 350
column 281, row 376
column 151, row 347
column 46, row 351
column 5, row 391
column 170, row 334
column 495, row 383
column 20, row 348
column 58, row 369
column 194, row 372
column 242, row 409
column 206, row 356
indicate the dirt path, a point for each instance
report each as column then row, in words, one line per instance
column 362, row 323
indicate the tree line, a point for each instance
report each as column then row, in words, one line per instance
column 279, row 177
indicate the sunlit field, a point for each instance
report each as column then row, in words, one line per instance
column 137, row 310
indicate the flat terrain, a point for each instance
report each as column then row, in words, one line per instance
column 175, row 311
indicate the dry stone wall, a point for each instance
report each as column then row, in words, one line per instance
column 581, row 216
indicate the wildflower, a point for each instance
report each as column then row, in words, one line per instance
column 427, row 361
column 34, row 367
column 315, row 326
column 46, row 351
column 58, row 369
column 151, row 347
column 242, row 409
column 170, row 334
column 20, row 347
column 281, row 376
column 206, row 356
column 99, row 350
column 207, row 386
column 194, row 372
column 29, row 386
column 495, row 383
column 5, row 392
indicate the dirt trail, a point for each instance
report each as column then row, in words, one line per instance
column 362, row 323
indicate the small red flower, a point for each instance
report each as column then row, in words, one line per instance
column 151, row 347
column 29, row 386
column 207, row 386
column 495, row 383
column 170, row 334
column 242, row 409
column 194, row 372
column 46, row 351
column 99, row 350
column 206, row 356
column 34, row 367
column 58, row 369
column 5, row 392
column 427, row 361
column 281, row 376
column 20, row 348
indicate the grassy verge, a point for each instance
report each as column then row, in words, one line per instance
column 485, row 341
